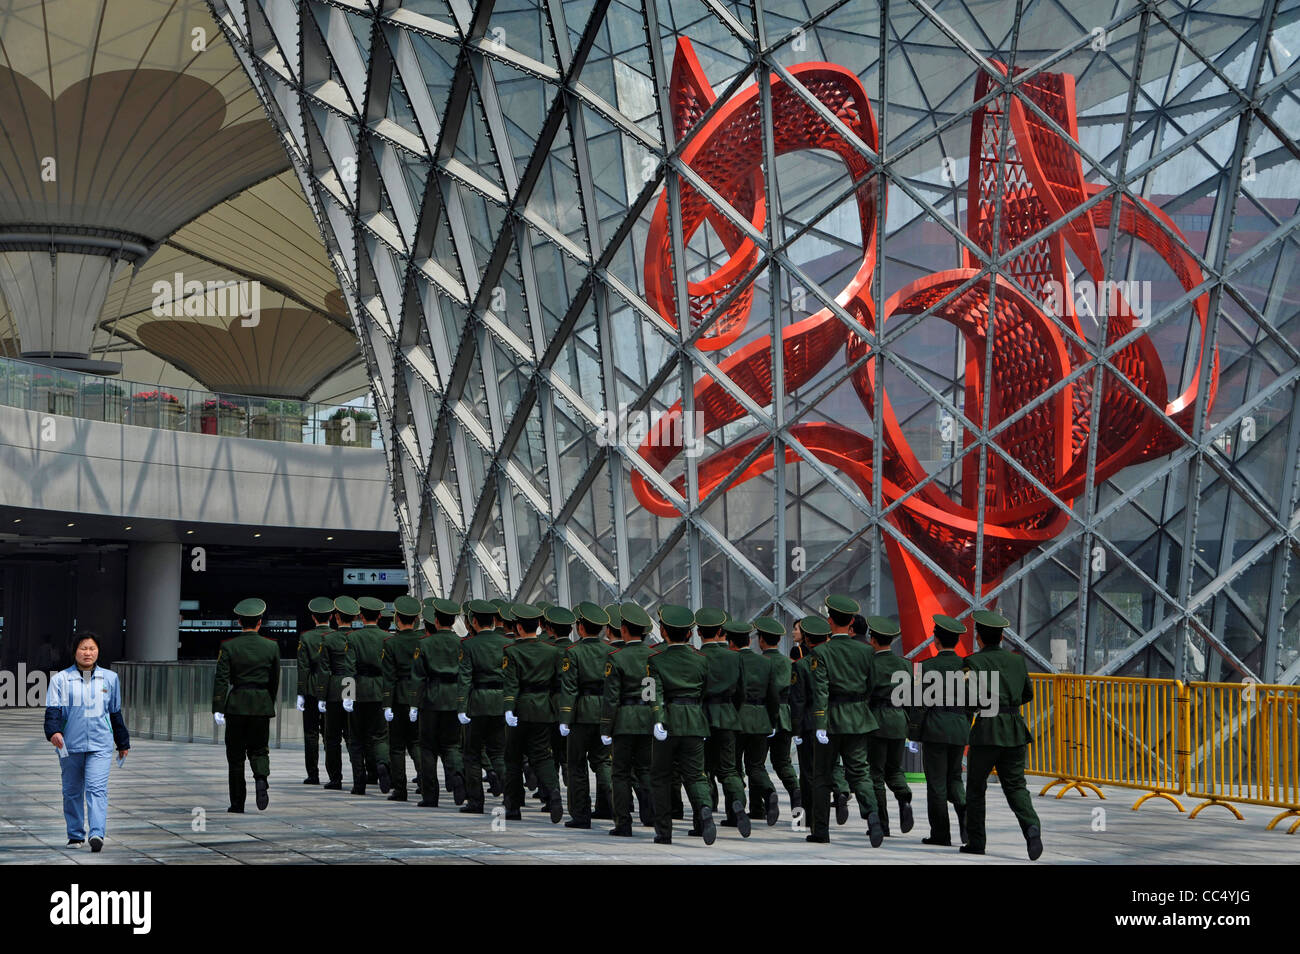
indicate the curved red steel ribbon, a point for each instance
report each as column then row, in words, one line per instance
column 1038, row 179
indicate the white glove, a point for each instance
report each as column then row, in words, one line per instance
column 660, row 732
column 798, row 741
column 564, row 730
column 512, row 720
column 772, row 733
column 302, row 704
column 219, row 718
column 606, row 740
column 320, row 706
column 347, row 705
column 822, row 737
column 388, row 714
column 415, row 714
column 462, row 718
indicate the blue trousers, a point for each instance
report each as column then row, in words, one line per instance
column 85, row 786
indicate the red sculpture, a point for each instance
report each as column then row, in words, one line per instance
column 1041, row 181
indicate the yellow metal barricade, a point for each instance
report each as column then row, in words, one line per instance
column 1244, row 746
column 1121, row 731
column 1042, row 715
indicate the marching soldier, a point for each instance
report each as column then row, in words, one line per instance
column 334, row 651
column 402, row 694
column 759, row 716
column 812, row 632
column 481, row 708
column 582, row 685
column 437, row 667
column 531, row 670
column 558, row 623
column 723, row 696
column 999, row 741
column 313, row 681
column 367, row 730
column 614, row 631
column 885, row 746
column 244, row 691
column 842, row 682
column 769, row 639
column 678, row 674
column 626, row 720
column 944, row 731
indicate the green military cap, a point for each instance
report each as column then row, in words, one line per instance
column 371, row 604
column 883, row 626
column 445, row 607
column 250, row 607
column 990, row 619
column 591, row 613
column 709, row 616
column 678, row 617
column 738, row 626
column 543, row 605
column 634, row 615
column 321, row 606
column 347, row 606
column 842, row 604
column 526, row 611
column 948, row 624
column 769, row 626
column 559, row 616
column 506, row 611
column 480, row 608
column 427, row 601
column 615, row 615
column 815, row 626
column 407, row 606
column 429, row 615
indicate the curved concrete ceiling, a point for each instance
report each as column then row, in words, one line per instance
column 131, row 121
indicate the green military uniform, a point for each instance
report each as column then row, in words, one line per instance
column 841, row 672
column 531, row 673
column 367, row 730
column 803, row 725
column 678, row 674
column 480, row 691
column 760, row 713
column 401, row 697
column 626, row 719
column 334, row 657
column 779, row 745
column 313, row 681
column 562, row 620
column 437, row 667
column 1000, row 741
column 724, row 694
column 582, row 686
column 944, row 731
column 244, row 691
column 885, row 746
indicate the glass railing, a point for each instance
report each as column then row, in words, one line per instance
column 93, row 397
column 173, row 701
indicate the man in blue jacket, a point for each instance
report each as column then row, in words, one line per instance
column 83, row 721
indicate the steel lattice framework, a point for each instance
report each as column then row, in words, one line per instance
column 1055, row 244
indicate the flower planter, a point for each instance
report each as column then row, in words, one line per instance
column 223, row 422
column 362, row 434
column 54, row 400
column 278, row 427
column 165, row 415
column 103, row 407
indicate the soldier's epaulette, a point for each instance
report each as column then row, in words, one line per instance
column 698, row 652
column 613, row 652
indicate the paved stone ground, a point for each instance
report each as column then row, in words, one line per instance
column 154, row 797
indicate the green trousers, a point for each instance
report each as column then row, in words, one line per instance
column 484, row 733
column 942, row 785
column 336, row 734
column 403, row 737
column 1010, row 763
column 754, row 750
column 586, row 750
column 886, row 757
column 857, row 773
column 630, row 769
column 720, row 762
column 531, row 739
column 439, row 739
column 685, row 755
column 246, row 737
column 313, row 722
column 778, row 750
column 367, row 740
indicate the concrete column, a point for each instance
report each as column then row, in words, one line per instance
column 153, row 600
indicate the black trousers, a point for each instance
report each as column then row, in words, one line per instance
column 531, row 739
column 683, row 754
column 585, row 749
column 247, row 737
column 631, row 769
column 439, row 739
column 403, row 737
column 336, row 733
column 483, row 731
column 312, row 723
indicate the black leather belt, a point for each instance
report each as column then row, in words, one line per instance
column 369, row 671
column 444, row 677
column 633, row 701
column 755, row 700
column 848, row 697
column 591, row 692
column 673, row 699
column 248, row 685
column 490, row 685
column 534, row 687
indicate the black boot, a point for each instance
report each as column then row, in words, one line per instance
column 429, row 801
column 1033, row 842
column 334, row 783
column 604, row 810
column 708, row 830
column 645, row 808
column 796, row 798
column 556, row 806
column 944, row 842
column 621, row 831
column 311, row 780
column 263, row 799
column 905, row 819
column 874, row 830
column 493, row 783
column 841, row 808
column 385, row 782
column 457, row 789
column 773, row 809
column 397, row 797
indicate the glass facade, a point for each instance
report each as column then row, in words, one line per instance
column 726, row 303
